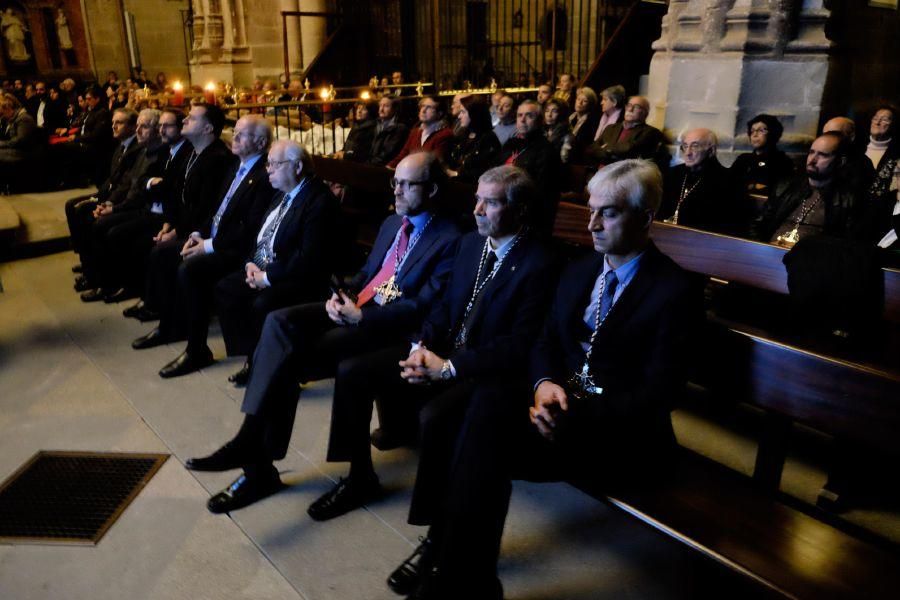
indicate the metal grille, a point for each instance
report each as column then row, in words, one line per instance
column 71, row 497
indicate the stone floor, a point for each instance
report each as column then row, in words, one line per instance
column 70, row 381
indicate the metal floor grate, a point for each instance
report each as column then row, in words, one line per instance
column 71, row 497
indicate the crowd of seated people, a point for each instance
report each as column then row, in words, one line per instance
column 438, row 326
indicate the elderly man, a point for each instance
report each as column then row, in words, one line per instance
column 856, row 168
column 19, row 139
column 700, row 194
column 431, row 135
column 506, row 119
column 604, row 373
column 187, row 273
column 629, row 138
column 530, row 150
column 815, row 202
column 480, row 329
column 381, row 306
column 390, row 133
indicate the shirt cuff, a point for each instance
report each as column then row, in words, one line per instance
column 539, row 382
column 208, row 246
column 452, row 368
column 265, row 278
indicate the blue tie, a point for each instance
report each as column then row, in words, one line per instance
column 609, row 291
column 222, row 207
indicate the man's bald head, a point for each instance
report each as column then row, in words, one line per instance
column 842, row 125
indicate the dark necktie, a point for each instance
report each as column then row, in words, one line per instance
column 609, row 292
column 262, row 257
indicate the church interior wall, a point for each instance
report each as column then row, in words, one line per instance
column 160, row 36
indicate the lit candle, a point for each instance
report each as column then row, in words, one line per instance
column 365, row 95
column 177, row 94
column 209, row 93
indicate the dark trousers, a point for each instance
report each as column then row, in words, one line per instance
column 112, row 259
column 242, row 309
column 79, row 216
column 298, row 344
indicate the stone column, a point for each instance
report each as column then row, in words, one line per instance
column 720, row 62
column 314, row 30
column 221, row 53
column 293, row 35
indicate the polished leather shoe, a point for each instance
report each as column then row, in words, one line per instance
column 94, row 295
column 77, row 268
column 133, row 310
column 230, row 456
column 348, row 494
column 240, row 378
column 82, row 284
column 119, row 295
column 150, row 340
column 406, row 578
column 186, row 363
column 145, row 314
column 244, row 491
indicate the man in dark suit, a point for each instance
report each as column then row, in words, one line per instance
column 406, row 270
column 630, row 138
column 390, row 133
column 480, row 328
column 186, row 274
column 91, row 148
column 604, row 374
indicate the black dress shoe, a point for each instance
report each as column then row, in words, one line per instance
column 230, row 456
column 132, row 311
column 77, row 268
column 186, row 363
column 94, row 295
column 405, row 578
column 244, row 491
column 240, row 378
column 150, row 340
column 82, row 284
column 119, row 295
column 145, row 314
column 348, row 494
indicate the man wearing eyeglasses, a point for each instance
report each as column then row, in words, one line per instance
column 699, row 193
column 630, row 138
column 432, row 134
column 381, row 305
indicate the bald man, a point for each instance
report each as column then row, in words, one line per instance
column 856, row 170
column 630, row 138
column 699, row 193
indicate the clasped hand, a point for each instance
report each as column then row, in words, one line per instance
column 342, row 310
column 422, row 366
column 550, row 401
column 193, row 246
column 256, row 277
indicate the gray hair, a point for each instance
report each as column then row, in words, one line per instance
column 296, row 152
column 518, row 187
column 152, row 115
column 261, row 128
column 616, row 93
column 639, row 181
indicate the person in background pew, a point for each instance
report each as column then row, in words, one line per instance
column 584, row 121
column 759, row 171
column 505, row 127
column 544, row 93
column 612, row 108
column 431, row 135
column 883, row 151
column 19, row 137
column 556, row 127
column 380, row 306
column 604, row 374
column 815, row 202
column 476, row 147
column 362, row 135
column 390, row 133
column 629, row 138
column 700, row 193
column 856, row 169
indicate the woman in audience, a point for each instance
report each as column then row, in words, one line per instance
column 584, row 122
column 612, row 108
column 476, row 147
column 358, row 144
column 759, row 171
column 556, row 127
column 883, row 151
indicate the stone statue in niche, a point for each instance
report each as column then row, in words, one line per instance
column 64, row 36
column 13, row 26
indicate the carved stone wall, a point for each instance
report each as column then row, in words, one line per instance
column 720, row 62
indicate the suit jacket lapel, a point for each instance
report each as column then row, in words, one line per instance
column 577, row 301
column 242, row 187
column 632, row 295
column 427, row 240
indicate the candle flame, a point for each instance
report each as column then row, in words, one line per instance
column 210, row 87
column 177, row 86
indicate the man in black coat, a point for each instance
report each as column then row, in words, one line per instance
column 631, row 138
column 90, row 149
column 185, row 275
column 405, row 272
column 530, row 150
column 390, row 133
column 604, row 374
column 701, row 194
column 479, row 329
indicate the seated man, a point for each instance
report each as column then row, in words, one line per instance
column 480, row 329
column 19, row 138
column 604, row 374
column 530, row 150
column 289, row 263
column 431, row 135
column 390, row 133
column 630, row 138
column 187, row 273
column 857, row 171
column 814, row 202
column 699, row 193
column 405, row 272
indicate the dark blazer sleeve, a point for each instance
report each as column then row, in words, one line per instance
column 386, row 146
column 203, row 190
column 243, row 218
column 98, row 128
column 310, row 254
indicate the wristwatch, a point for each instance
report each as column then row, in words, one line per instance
column 446, row 373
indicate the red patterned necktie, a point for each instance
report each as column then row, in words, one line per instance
column 387, row 269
